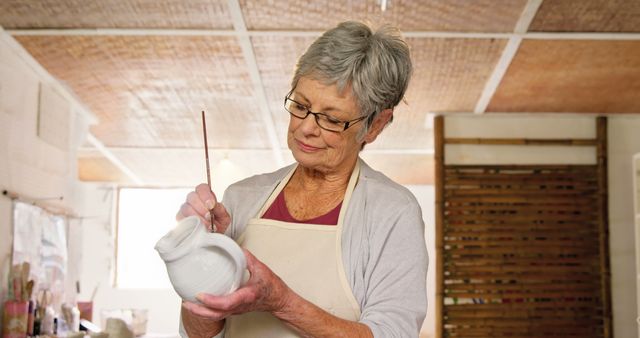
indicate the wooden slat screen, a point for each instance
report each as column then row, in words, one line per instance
column 520, row 251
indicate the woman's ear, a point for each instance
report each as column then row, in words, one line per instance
column 378, row 125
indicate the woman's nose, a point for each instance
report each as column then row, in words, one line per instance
column 309, row 125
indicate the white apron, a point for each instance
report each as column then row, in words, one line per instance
column 307, row 257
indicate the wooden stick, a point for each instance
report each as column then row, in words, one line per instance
column 49, row 204
column 440, row 217
column 603, row 225
column 502, row 167
column 522, row 141
column 206, row 156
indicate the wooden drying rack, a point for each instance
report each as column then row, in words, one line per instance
column 444, row 194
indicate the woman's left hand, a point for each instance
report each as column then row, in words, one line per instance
column 264, row 291
column 199, row 327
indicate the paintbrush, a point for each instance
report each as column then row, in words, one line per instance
column 206, row 156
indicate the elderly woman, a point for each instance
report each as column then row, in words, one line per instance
column 333, row 247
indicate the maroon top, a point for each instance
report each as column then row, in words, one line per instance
column 278, row 211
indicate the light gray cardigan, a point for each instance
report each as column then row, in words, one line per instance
column 383, row 246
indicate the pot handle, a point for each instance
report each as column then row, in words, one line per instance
column 233, row 249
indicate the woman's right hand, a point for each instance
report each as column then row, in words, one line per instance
column 199, row 202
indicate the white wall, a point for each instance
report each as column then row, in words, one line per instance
column 519, row 126
column 624, row 142
column 30, row 166
column 426, row 196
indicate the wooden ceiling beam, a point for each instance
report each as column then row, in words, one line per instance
column 293, row 33
column 114, row 159
column 509, row 52
column 254, row 73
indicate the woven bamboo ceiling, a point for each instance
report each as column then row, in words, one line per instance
column 146, row 68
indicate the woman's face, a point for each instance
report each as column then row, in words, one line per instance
column 314, row 147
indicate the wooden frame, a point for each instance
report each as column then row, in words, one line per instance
column 517, row 246
column 636, row 219
column 603, row 222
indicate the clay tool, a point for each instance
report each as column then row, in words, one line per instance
column 206, row 156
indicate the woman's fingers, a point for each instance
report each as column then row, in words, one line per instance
column 269, row 290
column 187, row 210
column 221, row 217
column 203, row 311
column 197, row 204
column 264, row 291
column 251, row 261
column 205, row 195
column 240, row 301
column 232, row 303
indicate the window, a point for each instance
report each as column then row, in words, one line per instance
column 144, row 216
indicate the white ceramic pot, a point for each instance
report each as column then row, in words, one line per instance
column 199, row 261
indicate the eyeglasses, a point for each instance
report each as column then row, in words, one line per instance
column 324, row 121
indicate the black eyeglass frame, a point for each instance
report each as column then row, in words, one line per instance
column 347, row 124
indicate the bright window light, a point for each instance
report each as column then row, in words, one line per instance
column 144, row 216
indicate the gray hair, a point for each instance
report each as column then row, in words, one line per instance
column 377, row 65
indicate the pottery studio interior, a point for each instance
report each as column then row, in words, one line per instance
column 469, row 169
